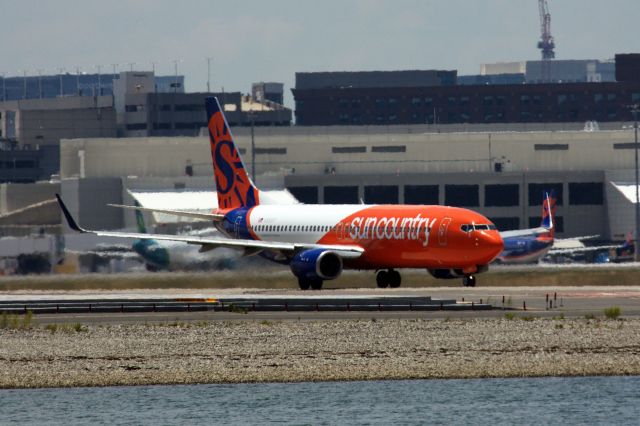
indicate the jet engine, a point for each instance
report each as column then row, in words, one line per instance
column 316, row 264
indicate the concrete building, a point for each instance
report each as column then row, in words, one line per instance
column 556, row 71
column 268, row 92
column 45, row 121
column 23, row 164
column 501, row 174
column 79, row 84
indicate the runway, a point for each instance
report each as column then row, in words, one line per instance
column 283, row 304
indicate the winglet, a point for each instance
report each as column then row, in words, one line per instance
column 70, row 220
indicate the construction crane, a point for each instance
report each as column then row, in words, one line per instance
column 546, row 44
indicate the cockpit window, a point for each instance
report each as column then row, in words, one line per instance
column 466, row 228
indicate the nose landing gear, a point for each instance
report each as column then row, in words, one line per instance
column 390, row 278
column 469, row 281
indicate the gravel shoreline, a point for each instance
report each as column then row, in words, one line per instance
column 288, row 351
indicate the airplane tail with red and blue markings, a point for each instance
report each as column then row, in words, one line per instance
column 549, row 211
column 233, row 185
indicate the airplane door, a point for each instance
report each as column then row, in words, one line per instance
column 442, row 231
column 339, row 231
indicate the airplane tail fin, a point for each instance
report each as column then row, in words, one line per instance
column 140, row 220
column 549, row 211
column 233, row 185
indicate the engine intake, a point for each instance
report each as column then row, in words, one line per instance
column 316, row 264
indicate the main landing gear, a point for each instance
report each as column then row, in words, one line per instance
column 469, row 281
column 390, row 278
column 305, row 284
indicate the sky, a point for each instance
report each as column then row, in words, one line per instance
column 271, row 40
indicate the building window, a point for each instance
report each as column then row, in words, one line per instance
column 611, row 97
column 506, row 223
column 421, row 194
column 502, row 195
column 348, row 149
column 187, row 107
column 428, row 102
column 136, row 126
column 389, row 148
column 416, row 101
column 598, row 98
column 304, row 194
column 461, row 195
column 452, row 100
column 537, row 190
column 562, row 99
column 162, row 126
column 501, row 100
column 525, row 100
column 380, row 103
column 464, row 101
column 340, row 194
column 487, row 100
column 271, row 151
column 381, row 194
column 585, row 193
column 190, row 126
column 551, row 147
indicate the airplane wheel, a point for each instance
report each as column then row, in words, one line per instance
column 382, row 279
column 394, row 279
column 469, row 281
column 303, row 284
column 316, row 285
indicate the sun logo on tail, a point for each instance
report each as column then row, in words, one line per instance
column 232, row 182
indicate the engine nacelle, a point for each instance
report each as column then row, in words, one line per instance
column 316, row 264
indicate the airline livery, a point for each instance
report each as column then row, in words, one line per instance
column 319, row 241
column 529, row 245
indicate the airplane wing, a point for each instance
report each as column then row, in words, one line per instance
column 523, row 232
column 580, row 249
column 205, row 216
column 252, row 246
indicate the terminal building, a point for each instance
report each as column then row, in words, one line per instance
column 500, row 174
column 578, row 91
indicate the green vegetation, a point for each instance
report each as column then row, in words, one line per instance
column 16, row 322
column 528, row 318
column 612, row 313
column 509, row 315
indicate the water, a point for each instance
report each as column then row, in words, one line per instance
column 567, row 401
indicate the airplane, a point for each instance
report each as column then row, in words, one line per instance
column 529, row 245
column 318, row 241
column 175, row 256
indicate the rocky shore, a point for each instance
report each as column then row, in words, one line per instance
column 283, row 351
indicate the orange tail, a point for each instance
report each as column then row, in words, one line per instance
column 233, row 185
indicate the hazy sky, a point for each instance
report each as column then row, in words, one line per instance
column 271, row 40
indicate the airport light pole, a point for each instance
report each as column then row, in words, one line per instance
column 635, row 109
column 4, row 89
column 60, row 72
column 209, row 75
